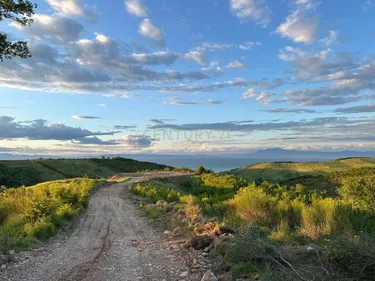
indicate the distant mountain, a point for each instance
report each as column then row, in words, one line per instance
column 270, row 154
column 278, row 153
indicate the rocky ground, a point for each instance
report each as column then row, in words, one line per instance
column 110, row 241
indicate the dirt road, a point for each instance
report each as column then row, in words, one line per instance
column 111, row 241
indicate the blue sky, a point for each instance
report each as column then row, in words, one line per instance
column 166, row 76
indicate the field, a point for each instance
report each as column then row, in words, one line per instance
column 272, row 231
column 284, row 171
column 31, row 172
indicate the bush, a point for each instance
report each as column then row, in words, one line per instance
column 253, row 205
column 219, row 181
column 200, row 170
column 42, row 229
column 192, row 209
column 325, row 217
column 360, row 192
column 155, row 211
column 156, row 191
column 36, row 212
column 353, row 255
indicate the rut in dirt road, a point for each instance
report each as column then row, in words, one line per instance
column 111, row 241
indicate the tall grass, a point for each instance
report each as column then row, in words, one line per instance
column 274, row 220
column 36, row 212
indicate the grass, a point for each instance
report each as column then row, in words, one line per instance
column 31, row 172
column 275, row 224
column 36, row 212
column 285, row 171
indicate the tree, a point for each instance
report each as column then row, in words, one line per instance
column 200, row 170
column 20, row 11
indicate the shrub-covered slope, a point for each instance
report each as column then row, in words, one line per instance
column 30, row 172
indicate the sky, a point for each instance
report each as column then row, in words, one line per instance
column 188, row 77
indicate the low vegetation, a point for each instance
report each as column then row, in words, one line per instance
column 283, row 231
column 35, row 213
column 31, row 172
column 284, row 171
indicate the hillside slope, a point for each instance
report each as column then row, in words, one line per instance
column 284, row 171
column 29, row 172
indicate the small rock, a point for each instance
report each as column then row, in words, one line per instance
column 167, row 232
column 3, row 267
column 311, row 249
column 11, row 252
column 184, row 274
column 225, row 277
column 207, row 249
column 209, row 276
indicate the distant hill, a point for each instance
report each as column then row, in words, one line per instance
column 30, row 172
column 286, row 154
column 284, row 171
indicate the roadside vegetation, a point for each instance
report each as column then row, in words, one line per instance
column 31, row 214
column 30, row 172
column 270, row 231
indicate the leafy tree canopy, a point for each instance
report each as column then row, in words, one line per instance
column 20, row 11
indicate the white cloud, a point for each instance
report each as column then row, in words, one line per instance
column 128, row 96
column 80, row 117
column 102, row 105
column 249, row 45
column 180, row 101
column 250, row 93
column 256, row 10
column 330, row 39
column 136, row 8
column 307, row 4
column 74, row 8
column 290, row 53
column 198, row 55
column 138, row 141
column 213, row 67
column 216, row 46
column 147, row 29
column 158, row 58
column 299, row 27
column 40, row 130
column 52, row 28
column 263, row 97
column 102, row 38
column 236, row 65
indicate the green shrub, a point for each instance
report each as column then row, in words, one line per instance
column 200, row 170
column 155, row 211
column 36, row 212
column 219, row 181
column 253, row 205
column 42, row 229
column 325, row 217
column 156, row 191
column 360, row 192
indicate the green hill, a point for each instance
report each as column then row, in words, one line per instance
column 30, row 172
column 285, row 171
